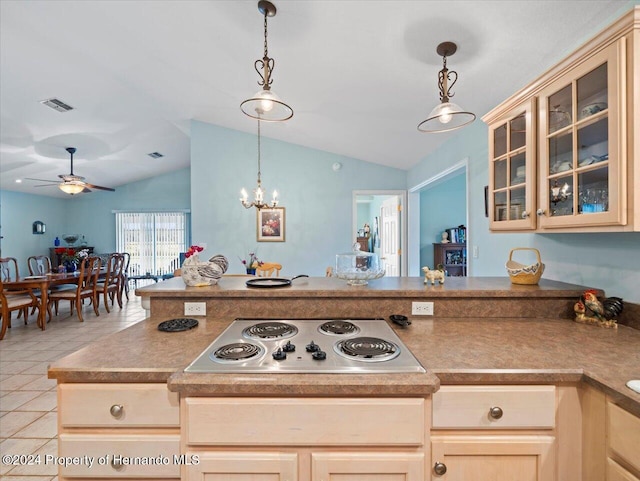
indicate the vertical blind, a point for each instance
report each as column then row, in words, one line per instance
column 154, row 240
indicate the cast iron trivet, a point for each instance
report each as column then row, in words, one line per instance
column 176, row 325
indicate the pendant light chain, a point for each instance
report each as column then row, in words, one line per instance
column 266, row 49
column 259, row 182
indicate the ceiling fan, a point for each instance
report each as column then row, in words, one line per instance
column 71, row 184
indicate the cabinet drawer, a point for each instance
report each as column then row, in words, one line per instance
column 624, row 435
column 141, row 455
column 304, row 422
column 142, row 405
column 469, row 407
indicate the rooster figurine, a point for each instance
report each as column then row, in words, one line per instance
column 590, row 310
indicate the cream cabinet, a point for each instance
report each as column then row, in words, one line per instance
column 623, row 444
column 564, row 151
column 305, row 439
column 494, row 432
column 128, row 430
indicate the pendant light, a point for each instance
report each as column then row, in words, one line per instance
column 446, row 116
column 265, row 104
column 258, row 192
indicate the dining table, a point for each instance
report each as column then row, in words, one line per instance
column 43, row 283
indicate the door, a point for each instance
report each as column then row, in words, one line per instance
column 367, row 466
column 491, row 458
column 243, row 466
column 390, row 236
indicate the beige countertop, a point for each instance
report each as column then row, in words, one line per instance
column 454, row 287
column 454, row 351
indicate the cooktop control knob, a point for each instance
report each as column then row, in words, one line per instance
column 319, row 355
column 288, row 347
column 313, row 347
column 279, row 355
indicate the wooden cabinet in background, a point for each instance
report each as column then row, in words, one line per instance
column 453, row 257
column 364, row 243
column 55, row 258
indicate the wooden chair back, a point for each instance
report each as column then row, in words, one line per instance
column 89, row 272
column 9, row 269
column 14, row 301
column 267, row 269
column 39, row 265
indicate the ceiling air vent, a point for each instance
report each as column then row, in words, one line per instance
column 155, row 155
column 56, row 104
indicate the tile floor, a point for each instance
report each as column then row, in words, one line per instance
column 28, row 401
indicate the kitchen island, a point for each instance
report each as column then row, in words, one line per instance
column 554, row 379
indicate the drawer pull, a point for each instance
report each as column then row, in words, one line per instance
column 117, row 464
column 116, row 410
column 439, row 469
column 495, row 412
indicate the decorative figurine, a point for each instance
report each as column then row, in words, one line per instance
column 433, row 275
column 367, row 230
column 445, row 238
column 590, row 310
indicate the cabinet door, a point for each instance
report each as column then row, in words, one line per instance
column 367, row 466
column 512, row 170
column 583, row 161
column 491, row 458
column 615, row 472
column 245, row 466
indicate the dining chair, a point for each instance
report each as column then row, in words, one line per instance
column 267, row 269
column 13, row 301
column 39, row 265
column 86, row 288
column 124, row 284
column 9, row 271
column 110, row 285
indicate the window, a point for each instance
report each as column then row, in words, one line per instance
column 154, row 240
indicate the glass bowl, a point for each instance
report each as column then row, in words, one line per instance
column 70, row 239
column 358, row 267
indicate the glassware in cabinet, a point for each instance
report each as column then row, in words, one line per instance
column 582, row 180
column 512, row 169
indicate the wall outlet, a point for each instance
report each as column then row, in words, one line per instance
column 475, row 252
column 195, row 308
column 422, row 308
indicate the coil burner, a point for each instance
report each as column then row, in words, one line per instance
column 270, row 330
column 238, row 351
column 368, row 349
column 339, row 328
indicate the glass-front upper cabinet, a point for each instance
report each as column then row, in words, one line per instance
column 581, row 163
column 512, row 173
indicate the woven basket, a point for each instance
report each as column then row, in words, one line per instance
column 521, row 274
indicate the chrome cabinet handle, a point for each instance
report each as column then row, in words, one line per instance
column 540, row 212
column 525, row 215
column 439, row 468
column 495, row 412
column 116, row 410
column 117, row 465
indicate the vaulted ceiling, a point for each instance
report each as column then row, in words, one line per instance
column 359, row 75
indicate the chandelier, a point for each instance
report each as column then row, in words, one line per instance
column 447, row 115
column 265, row 104
column 258, row 192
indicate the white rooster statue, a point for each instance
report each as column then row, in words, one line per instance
column 199, row 274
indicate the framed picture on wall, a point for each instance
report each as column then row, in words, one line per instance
column 271, row 225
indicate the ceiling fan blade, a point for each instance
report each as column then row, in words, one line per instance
column 43, row 180
column 44, row 185
column 99, row 187
column 85, row 190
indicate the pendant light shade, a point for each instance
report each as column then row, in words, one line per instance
column 265, row 105
column 446, row 116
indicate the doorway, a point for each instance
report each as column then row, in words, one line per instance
column 418, row 220
column 379, row 224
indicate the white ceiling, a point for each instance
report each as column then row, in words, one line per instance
column 359, row 75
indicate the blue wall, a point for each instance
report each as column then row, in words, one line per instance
column 606, row 261
column 442, row 206
column 318, row 200
column 90, row 215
